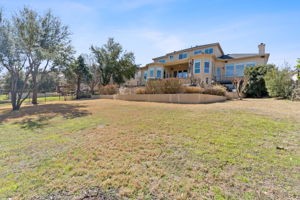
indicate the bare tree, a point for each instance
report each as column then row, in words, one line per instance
column 240, row 84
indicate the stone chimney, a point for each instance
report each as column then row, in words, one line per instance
column 261, row 48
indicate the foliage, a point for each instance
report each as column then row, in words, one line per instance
column 256, row 84
column 279, row 83
column 108, row 90
column 296, row 94
column 240, row 84
column 94, row 80
column 49, row 81
column 140, row 90
column 113, row 63
column 14, row 60
column 164, row 86
column 43, row 39
column 215, row 90
column 192, row 89
column 298, row 66
column 80, row 73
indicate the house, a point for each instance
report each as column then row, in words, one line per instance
column 207, row 63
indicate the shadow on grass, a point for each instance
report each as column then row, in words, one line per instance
column 65, row 110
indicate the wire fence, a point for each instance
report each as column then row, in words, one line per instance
column 42, row 97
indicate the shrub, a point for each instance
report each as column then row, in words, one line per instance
column 164, row 86
column 192, row 89
column 140, row 91
column 108, row 90
column 279, row 83
column 171, row 85
column 256, row 82
column 154, row 87
column 215, row 90
column 296, row 94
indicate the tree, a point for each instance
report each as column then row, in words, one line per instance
column 114, row 64
column 279, row 83
column 15, row 61
column 256, row 83
column 94, row 81
column 43, row 39
column 298, row 67
column 240, row 85
column 79, row 72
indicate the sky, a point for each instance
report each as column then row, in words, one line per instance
column 152, row 28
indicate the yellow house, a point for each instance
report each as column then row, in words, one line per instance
column 207, row 63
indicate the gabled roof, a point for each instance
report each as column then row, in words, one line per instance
column 193, row 48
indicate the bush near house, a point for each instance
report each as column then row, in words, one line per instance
column 256, row 85
column 163, row 86
column 108, row 90
column 214, row 90
column 278, row 83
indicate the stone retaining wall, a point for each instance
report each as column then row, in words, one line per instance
column 167, row 98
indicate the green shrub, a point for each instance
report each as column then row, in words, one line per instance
column 278, row 83
column 256, row 85
column 163, row 86
column 108, row 90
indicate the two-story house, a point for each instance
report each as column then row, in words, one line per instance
column 206, row 62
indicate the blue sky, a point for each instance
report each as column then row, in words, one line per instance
column 152, row 28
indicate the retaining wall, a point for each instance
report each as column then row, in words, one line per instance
column 167, row 98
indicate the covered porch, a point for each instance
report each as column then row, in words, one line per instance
column 178, row 70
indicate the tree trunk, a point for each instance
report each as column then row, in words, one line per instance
column 78, row 88
column 34, row 88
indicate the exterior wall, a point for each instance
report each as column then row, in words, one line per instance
column 258, row 60
column 216, row 52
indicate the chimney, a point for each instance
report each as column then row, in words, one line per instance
column 261, row 49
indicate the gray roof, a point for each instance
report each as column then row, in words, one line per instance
column 191, row 48
column 238, row 55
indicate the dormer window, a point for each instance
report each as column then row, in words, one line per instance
column 182, row 56
column 162, row 61
column 209, row 51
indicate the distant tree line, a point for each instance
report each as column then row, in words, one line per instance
column 35, row 49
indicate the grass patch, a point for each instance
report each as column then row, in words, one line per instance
column 149, row 151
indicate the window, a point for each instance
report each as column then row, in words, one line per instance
column 171, row 57
column 158, row 73
column 182, row 56
column 197, row 52
column 218, row 75
column 239, row 69
column 182, row 74
column 151, row 72
column 250, row 64
column 145, row 75
column 209, row 51
column 197, row 67
column 229, row 70
column 206, row 67
column 162, row 61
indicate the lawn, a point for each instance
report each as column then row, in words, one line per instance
column 246, row 149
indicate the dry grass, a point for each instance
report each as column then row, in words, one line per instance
column 152, row 150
